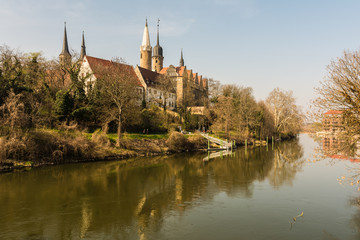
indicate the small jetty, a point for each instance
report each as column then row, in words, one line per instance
column 223, row 144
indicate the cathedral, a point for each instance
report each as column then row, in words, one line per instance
column 190, row 89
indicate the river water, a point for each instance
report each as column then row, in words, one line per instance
column 286, row 191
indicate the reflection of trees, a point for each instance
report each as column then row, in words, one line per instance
column 287, row 161
column 234, row 174
column 130, row 199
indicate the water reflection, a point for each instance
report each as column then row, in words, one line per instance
column 338, row 147
column 130, row 200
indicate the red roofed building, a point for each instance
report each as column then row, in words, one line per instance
column 332, row 121
column 189, row 85
column 93, row 68
column 153, row 92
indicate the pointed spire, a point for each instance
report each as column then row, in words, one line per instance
column 157, row 42
column 83, row 48
column 157, row 51
column 146, row 39
column 181, row 59
column 65, row 48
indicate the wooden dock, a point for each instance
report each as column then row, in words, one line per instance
column 223, row 144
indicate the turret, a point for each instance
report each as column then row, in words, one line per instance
column 157, row 59
column 65, row 56
column 145, row 49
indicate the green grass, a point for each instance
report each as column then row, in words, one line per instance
column 113, row 136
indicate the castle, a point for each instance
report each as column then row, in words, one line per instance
column 190, row 89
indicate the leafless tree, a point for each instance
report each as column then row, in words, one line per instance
column 118, row 93
column 167, row 86
column 341, row 91
column 288, row 117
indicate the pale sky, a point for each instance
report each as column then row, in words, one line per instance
column 257, row 43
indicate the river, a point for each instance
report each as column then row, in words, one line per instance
column 286, row 191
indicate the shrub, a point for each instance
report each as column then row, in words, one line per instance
column 100, row 139
column 177, row 142
column 197, row 141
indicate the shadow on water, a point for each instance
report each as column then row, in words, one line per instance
column 128, row 200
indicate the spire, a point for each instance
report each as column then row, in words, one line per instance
column 83, row 48
column 181, row 59
column 65, row 49
column 157, row 42
column 158, row 51
column 146, row 39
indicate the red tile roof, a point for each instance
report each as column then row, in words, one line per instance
column 334, row 112
column 97, row 63
column 180, row 70
column 150, row 77
column 189, row 73
column 163, row 70
column 204, row 82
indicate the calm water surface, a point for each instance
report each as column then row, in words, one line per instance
column 253, row 194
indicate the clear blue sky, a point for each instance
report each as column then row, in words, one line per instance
column 258, row 43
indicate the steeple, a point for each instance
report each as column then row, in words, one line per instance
column 146, row 39
column 181, row 59
column 158, row 58
column 65, row 56
column 145, row 49
column 83, row 48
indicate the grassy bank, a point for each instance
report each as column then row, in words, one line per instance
column 38, row 147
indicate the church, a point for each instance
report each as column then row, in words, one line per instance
column 190, row 89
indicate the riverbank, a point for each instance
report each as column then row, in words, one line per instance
column 40, row 147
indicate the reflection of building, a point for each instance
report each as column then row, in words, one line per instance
column 330, row 143
column 332, row 121
column 335, row 148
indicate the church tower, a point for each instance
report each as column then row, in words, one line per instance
column 65, row 56
column 157, row 59
column 83, row 48
column 145, row 49
column 181, row 59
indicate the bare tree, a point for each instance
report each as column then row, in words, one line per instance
column 167, row 86
column 118, row 93
column 341, row 91
column 288, row 117
column 214, row 90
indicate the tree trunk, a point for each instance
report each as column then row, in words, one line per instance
column 105, row 127
column 118, row 132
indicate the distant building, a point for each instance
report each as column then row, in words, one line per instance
column 332, row 122
column 190, row 87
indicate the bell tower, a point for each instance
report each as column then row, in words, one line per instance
column 157, row 59
column 145, row 49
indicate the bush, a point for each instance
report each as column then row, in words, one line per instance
column 46, row 145
column 177, row 142
column 197, row 141
column 100, row 139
